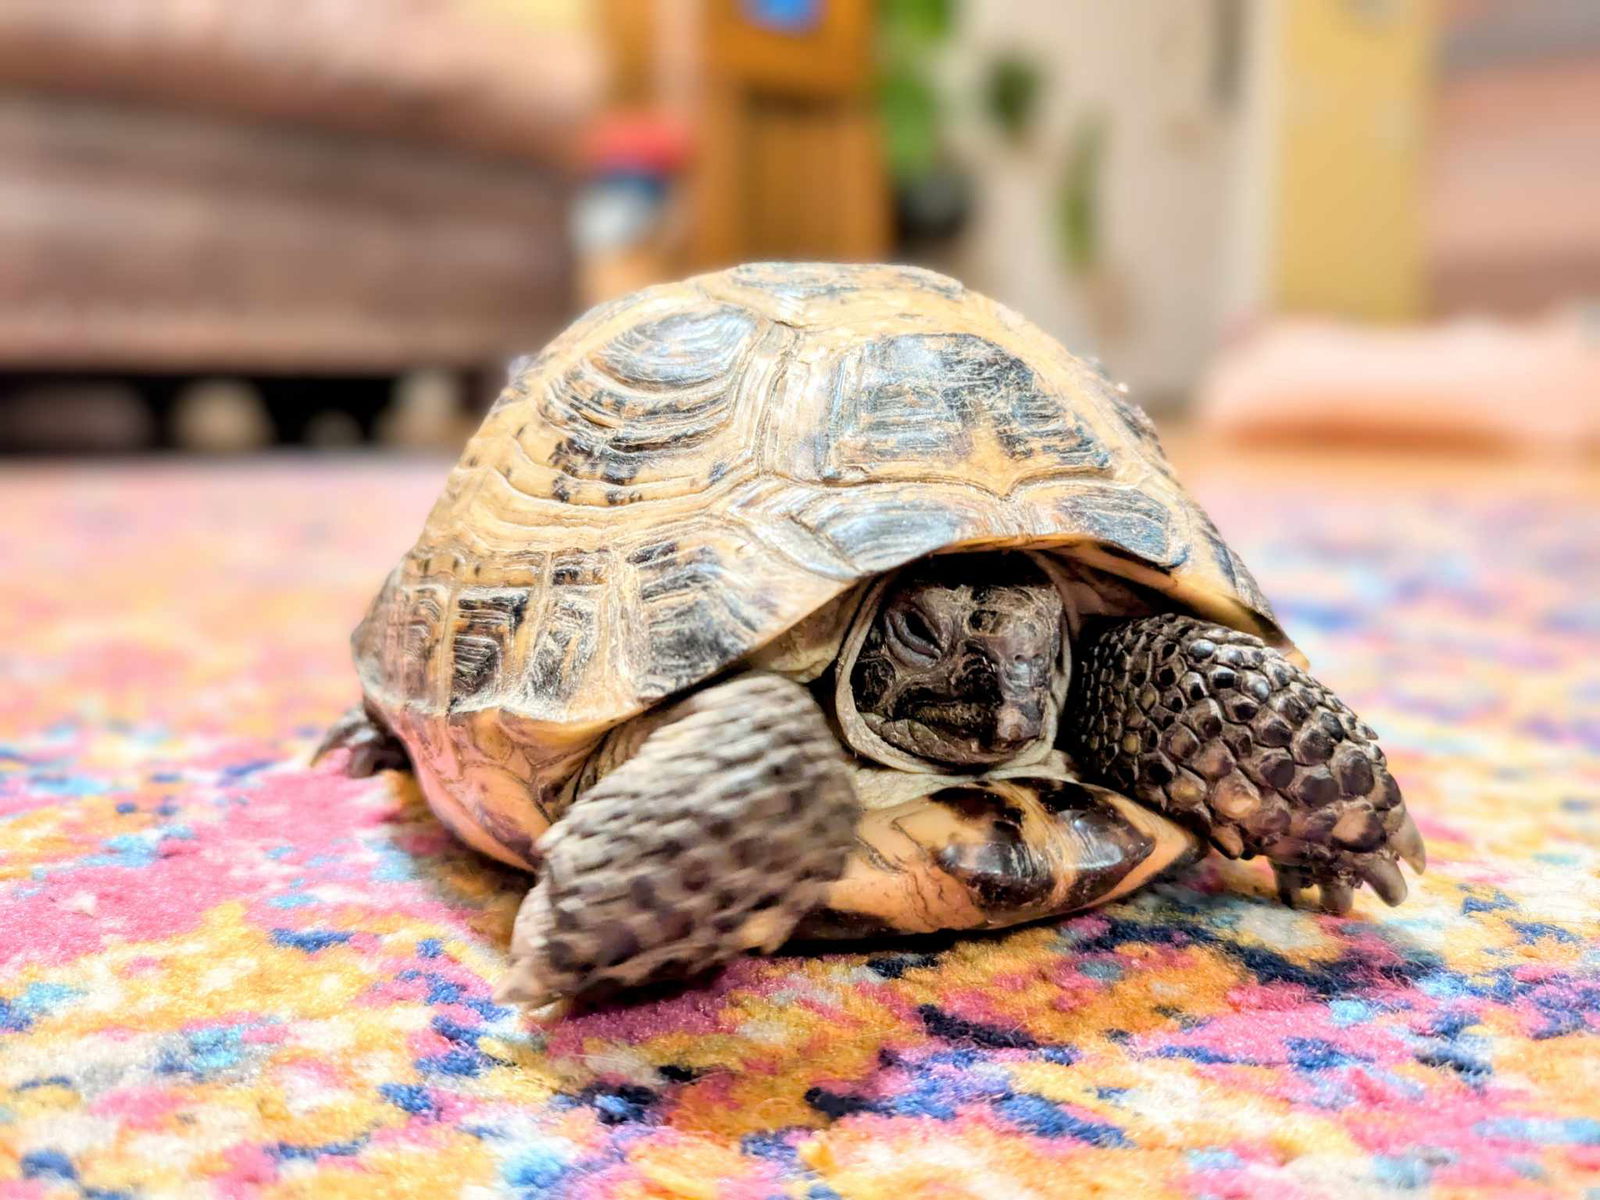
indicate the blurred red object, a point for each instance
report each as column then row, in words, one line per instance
column 636, row 143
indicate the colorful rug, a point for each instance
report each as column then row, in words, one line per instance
column 223, row 974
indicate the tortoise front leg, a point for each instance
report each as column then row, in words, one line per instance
column 714, row 838
column 992, row 853
column 1215, row 728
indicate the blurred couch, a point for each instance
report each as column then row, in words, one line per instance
column 306, row 185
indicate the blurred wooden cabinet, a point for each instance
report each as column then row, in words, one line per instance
column 779, row 101
column 789, row 161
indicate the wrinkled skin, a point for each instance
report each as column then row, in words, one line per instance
column 960, row 671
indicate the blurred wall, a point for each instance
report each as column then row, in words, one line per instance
column 1347, row 100
column 1106, row 220
column 1514, row 175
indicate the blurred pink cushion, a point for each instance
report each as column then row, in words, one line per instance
column 1469, row 383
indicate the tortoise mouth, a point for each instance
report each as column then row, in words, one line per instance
column 974, row 727
column 958, row 732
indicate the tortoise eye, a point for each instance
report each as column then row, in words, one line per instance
column 912, row 631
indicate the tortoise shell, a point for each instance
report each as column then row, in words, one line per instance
column 688, row 472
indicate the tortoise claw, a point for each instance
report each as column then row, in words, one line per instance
column 1291, row 882
column 521, row 985
column 1336, row 892
column 1407, row 842
column 1386, row 880
column 1337, row 897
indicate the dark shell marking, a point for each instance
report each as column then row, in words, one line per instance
column 645, row 401
column 685, row 349
column 1232, row 567
column 485, row 625
column 1127, row 519
column 922, row 398
column 567, row 632
column 883, row 535
column 562, row 597
column 691, row 616
column 420, row 634
column 1009, row 878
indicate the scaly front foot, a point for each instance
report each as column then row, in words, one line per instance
column 1212, row 726
column 713, row 839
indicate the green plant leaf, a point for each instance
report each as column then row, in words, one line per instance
column 910, row 108
column 1078, row 196
column 923, row 21
column 1011, row 91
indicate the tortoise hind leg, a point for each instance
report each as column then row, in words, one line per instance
column 993, row 853
column 1212, row 726
column 712, row 839
column 372, row 747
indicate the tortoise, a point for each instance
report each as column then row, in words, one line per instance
column 808, row 600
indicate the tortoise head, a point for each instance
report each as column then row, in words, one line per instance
column 961, row 659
